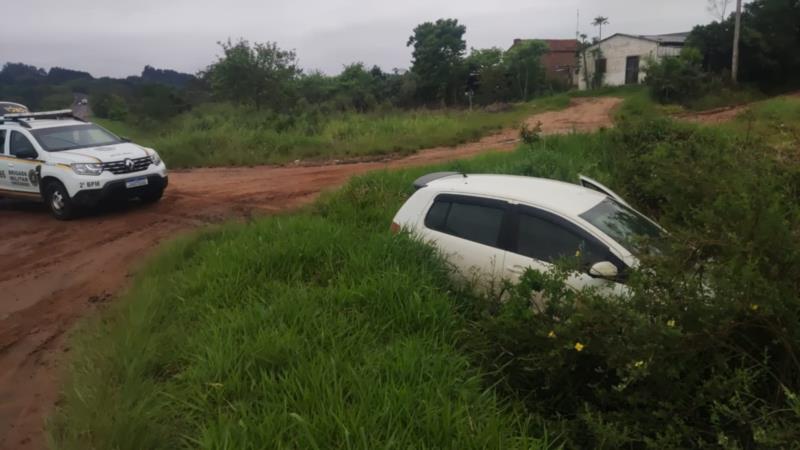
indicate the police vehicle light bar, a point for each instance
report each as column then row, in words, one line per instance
column 59, row 114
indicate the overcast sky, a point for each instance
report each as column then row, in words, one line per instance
column 119, row 37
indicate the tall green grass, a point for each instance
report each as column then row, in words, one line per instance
column 775, row 121
column 320, row 330
column 222, row 134
column 293, row 332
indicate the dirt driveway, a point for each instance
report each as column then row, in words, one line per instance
column 53, row 273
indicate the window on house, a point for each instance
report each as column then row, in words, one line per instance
column 600, row 65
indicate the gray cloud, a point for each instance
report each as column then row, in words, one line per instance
column 118, row 38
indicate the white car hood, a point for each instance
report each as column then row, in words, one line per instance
column 108, row 153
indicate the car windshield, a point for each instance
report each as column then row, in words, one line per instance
column 632, row 230
column 71, row 137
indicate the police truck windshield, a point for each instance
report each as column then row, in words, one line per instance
column 73, row 137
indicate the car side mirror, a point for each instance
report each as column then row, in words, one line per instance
column 605, row 270
column 27, row 153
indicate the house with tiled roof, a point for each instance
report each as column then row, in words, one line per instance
column 560, row 62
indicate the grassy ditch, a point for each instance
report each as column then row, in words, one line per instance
column 294, row 332
column 322, row 329
column 223, row 135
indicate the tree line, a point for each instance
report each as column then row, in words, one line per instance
column 441, row 74
column 768, row 59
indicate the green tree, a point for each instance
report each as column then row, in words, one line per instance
column 356, row 87
column 109, row 106
column 486, row 67
column 524, row 65
column 438, row 59
column 259, row 74
column 768, row 46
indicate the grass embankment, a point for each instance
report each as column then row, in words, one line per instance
column 294, row 332
column 322, row 330
column 223, row 135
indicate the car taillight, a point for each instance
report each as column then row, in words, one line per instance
column 395, row 228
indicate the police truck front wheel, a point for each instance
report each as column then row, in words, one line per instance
column 152, row 196
column 58, row 200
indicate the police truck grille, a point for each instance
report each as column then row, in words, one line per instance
column 135, row 165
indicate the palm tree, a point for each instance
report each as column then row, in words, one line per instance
column 599, row 21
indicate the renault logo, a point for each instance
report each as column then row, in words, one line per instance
column 129, row 164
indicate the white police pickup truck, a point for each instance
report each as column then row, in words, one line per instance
column 72, row 164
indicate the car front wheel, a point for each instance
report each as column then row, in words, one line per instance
column 59, row 201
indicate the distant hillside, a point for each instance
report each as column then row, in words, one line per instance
column 20, row 73
column 156, row 94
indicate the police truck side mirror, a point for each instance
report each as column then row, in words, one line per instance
column 26, row 153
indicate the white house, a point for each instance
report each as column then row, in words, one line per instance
column 621, row 58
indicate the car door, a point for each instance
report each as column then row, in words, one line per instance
column 22, row 174
column 4, row 185
column 469, row 232
column 541, row 238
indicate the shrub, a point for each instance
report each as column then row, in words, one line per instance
column 705, row 350
column 677, row 79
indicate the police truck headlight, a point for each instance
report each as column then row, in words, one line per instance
column 155, row 158
column 87, row 168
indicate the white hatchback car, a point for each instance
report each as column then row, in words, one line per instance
column 494, row 227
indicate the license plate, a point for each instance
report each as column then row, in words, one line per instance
column 136, row 182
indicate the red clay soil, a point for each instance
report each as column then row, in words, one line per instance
column 54, row 273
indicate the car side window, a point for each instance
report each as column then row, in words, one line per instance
column 548, row 241
column 477, row 221
column 18, row 143
column 2, row 142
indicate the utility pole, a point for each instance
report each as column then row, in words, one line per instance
column 736, row 33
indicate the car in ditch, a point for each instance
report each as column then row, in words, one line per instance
column 73, row 164
column 495, row 227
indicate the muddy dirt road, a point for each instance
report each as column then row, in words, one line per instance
column 53, row 273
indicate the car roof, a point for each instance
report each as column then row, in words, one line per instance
column 38, row 124
column 557, row 196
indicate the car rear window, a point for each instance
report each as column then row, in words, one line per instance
column 468, row 220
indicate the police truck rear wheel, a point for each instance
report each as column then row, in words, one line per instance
column 58, row 200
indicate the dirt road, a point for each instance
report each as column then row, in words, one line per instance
column 53, row 273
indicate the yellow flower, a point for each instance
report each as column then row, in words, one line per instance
column 671, row 323
column 551, row 335
column 578, row 254
column 638, row 364
column 754, row 307
column 579, row 347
